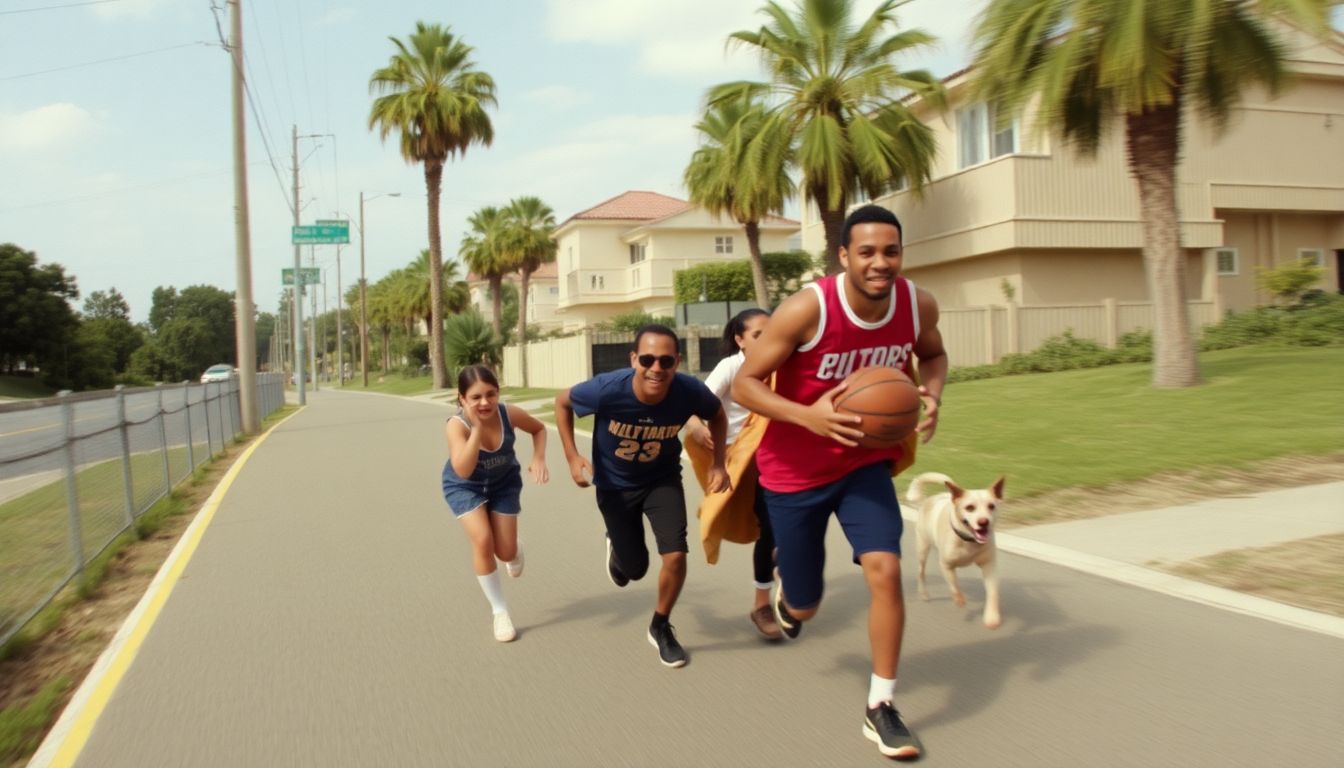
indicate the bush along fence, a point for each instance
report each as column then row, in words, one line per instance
column 79, row 470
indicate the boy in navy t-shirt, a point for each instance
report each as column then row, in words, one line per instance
column 637, row 464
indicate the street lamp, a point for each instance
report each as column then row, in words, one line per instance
column 363, row 290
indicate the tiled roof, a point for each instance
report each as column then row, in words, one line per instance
column 634, row 206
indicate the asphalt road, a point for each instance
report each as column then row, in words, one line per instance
column 330, row 617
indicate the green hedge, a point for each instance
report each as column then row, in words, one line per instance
column 731, row 280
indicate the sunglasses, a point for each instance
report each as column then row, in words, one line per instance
column 664, row 361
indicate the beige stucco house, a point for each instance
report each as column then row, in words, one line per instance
column 1010, row 208
column 543, row 296
column 619, row 256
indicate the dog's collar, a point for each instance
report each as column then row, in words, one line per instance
column 952, row 520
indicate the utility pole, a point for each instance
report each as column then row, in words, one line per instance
column 312, row 324
column 299, row 378
column 340, row 341
column 245, row 341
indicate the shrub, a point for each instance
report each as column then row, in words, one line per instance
column 469, row 339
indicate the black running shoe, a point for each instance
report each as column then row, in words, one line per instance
column 670, row 651
column 613, row 571
column 883, row 725
column 783, row 618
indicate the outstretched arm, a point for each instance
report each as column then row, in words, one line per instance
column 933, row 364
column 533, row 426
column 564, row 424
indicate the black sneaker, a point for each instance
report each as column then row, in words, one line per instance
column 783, row 618
column 613, row 571
column 670, row 651
column 883, row 725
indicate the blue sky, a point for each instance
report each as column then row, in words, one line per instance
column 121, row 171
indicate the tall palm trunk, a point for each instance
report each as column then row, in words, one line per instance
column 753, row 229
column 1153, row 140
column 387, row 348
column 833, row 223
column 525, row 277
column 433, row 182
column 496, row 309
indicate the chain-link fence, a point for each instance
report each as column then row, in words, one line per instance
column 78, row 470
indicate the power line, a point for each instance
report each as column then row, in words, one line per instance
column 103, row 61
column 121, row 190
column 56, row 7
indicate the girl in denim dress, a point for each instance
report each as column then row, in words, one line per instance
column 482, row 481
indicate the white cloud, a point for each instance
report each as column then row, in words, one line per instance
column 126, row 8
column 687, row 38
column 53, row 125
column 557, row 96
column 338, row 15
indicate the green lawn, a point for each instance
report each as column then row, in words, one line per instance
column 1107, row 425
column 392, row 384
column 23, row 387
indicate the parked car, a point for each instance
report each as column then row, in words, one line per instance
column 220, row 372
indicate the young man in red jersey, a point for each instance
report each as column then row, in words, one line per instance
column 810, row 465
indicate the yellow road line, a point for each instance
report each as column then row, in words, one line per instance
column 132, row 634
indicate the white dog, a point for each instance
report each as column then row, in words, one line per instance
column 960, row 523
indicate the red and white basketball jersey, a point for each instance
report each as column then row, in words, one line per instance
column 792, row 458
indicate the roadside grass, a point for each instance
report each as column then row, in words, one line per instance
column 1106, row 426
column 392, row 384
column 31, row 693
column 24, row 387
column 1307, row 573
column 521, row 394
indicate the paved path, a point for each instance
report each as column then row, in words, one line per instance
column 329, row 617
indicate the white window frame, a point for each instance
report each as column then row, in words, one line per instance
column 723, row 244
column 1236, row 262
column 638, row 252
column 1319, row 254
column 978, row 138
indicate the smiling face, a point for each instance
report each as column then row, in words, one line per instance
column 872, row 260
column 975, row 510
column 482, row 400
column 754, row 327
column 652, row 380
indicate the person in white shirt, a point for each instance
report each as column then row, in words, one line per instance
column 738, row 336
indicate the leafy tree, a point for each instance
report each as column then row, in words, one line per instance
column 1093, row 64
column 107, row 318
column 265, row 329
column 630, row 322
column 732, row 172
column 486, row 252
column 36, row 321
column 836, row 96
column 192, row 329
column 1288, row 282
column 733, row 280
column 414, row 294
column 435, row 98
column 469, row 340
column 530, row 222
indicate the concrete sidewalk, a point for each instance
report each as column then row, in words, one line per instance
column 1122, row 547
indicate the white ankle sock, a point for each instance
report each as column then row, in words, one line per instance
column 880, row 689
column 493, row 592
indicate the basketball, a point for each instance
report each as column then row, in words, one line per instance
column 887, row 400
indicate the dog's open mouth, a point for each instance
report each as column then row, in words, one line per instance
column 981, row 533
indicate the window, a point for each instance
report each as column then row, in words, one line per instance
column 1228, row 263
column 555, row 290
column 723, row 244
column 978, row 138
column 1313, row 256
column 597, row 282
column 637, row 253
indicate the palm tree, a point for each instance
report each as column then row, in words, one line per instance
column 740, row 172
column 415, row 288
column 435, row 98
column 1093, row 63
column 485, row 251
column 529, row 225
column 835, row 92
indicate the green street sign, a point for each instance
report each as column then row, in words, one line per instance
column 321, row 234
column 309, row 275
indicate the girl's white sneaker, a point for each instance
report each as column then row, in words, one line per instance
column 515, row 566
column 504, row 631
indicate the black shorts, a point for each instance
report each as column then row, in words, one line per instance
column 664, row 503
